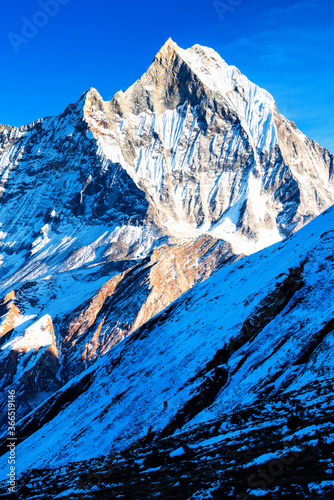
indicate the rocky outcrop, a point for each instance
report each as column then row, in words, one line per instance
column 29, row 358
column 130, row 299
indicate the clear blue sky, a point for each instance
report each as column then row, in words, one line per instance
column 285, row 46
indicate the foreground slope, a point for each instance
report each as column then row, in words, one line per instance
column 243, row 359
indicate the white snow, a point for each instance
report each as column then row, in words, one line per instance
column 35, row 336
column 255, row 105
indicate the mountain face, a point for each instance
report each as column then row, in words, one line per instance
column 227, row 393
column 191, row 148
column 111, row 211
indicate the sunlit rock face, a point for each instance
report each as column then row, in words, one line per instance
column 112, row 210
column 29, row 358
column 130, row 299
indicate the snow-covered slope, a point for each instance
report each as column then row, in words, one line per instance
column 253, row 339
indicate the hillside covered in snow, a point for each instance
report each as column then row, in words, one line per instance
column 240, row 362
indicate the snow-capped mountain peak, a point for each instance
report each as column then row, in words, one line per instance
column 211, row 151
column 124, row 205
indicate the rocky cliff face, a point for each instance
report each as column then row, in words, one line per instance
column 111, row 210
column 130, row 299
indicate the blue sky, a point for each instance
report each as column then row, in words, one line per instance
column 284, row 46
